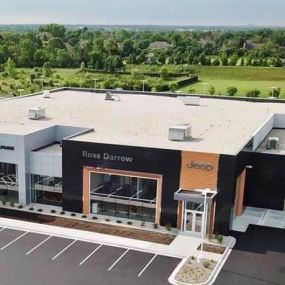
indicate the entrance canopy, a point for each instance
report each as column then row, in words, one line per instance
column 196, row 196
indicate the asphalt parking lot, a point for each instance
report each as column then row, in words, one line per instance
column 257, row 259
column 29, row 258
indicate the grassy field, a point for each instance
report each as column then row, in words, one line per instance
column 243, row 78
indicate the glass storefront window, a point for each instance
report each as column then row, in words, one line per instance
column 123, row 196
column 8, row 183
column 46, row 190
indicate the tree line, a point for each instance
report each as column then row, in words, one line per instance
column 113, row 49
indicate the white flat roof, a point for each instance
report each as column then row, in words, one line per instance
column 51, row 149
column 218, row 126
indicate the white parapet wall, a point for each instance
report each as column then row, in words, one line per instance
column 279, row 121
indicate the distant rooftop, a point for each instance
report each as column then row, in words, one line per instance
column 217, row 126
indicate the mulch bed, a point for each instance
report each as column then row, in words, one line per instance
column 212, row 248
column 88, row 226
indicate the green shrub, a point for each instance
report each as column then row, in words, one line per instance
column 253, row 93
column 40, row 210
column 206, row 264
column 72, row 214
column 275, row 92
column 31, row 209
column 12, row 204
column 62, row 212
column 219, row 238
column 232, row 90
column 129, row 223
column 84, row 216
column 155, row 226
column 118, row 222
column 107, row 220
column 53, row 211
column 168, row 227
column 20, row 206
column 94, row 218
column 211, row 90
column 191, row 90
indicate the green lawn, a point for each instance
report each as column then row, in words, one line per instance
column 243, row 78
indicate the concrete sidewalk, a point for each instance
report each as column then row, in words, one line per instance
column 182, row 246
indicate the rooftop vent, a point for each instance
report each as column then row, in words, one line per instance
column 36, row 113
column 190, row 100
column 180, row 132
column 272, row 143
column 112, row 97
column 46, row 94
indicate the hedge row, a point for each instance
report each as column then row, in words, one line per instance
column 150, row 74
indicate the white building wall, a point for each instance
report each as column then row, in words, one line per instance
column 279, row 121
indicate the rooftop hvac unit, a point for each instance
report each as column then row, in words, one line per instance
column 36, row 113
column 272, row 143
column 46, row 94
column 180, row 132
column 190, row 100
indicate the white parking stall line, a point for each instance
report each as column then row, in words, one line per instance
column 118, row 259
column 2, row 229
column 14, row 240
column 38, row 245
column 143, row 270
column 88, row 256
column 62, row 251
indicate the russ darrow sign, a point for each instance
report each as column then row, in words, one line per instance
column 107, row 156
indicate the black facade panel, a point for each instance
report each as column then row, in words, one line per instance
column 148, row 160
column 265, row 183
column 225, row 196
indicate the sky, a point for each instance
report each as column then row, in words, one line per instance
column 144, row 12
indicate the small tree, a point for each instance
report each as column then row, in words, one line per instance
column 253, row 93
column 212, row 90
column 82, row 66
column 173, row 86
column 47, row 71
column 232, row 90
column 164, row 73
column 275, row 92
column 10, row 68
column 136, row 74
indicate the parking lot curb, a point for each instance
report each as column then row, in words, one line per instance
column 215, row 271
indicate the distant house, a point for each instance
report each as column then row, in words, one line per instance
column 204, row 42
column 159, row 45
column 249, row 44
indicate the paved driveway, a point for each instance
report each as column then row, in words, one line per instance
column 257, row 259
column 29, row 258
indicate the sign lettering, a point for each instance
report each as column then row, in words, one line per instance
column 200, row 165
column 107, row 156
column 7, row 147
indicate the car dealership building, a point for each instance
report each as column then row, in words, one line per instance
column 143, row 157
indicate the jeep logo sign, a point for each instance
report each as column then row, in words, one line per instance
column 200, row 165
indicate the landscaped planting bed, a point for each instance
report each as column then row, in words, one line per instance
column 194, row 272
column 90, row 226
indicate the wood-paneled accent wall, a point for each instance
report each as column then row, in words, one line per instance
column 192, row 178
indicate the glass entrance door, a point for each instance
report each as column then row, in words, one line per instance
column 193, row 217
